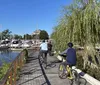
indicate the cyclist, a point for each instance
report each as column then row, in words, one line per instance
column 50, row 48
column 70, row 57
column 44, row 51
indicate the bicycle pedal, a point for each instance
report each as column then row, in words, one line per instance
column 70, row 78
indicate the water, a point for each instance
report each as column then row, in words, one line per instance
column 8, row 56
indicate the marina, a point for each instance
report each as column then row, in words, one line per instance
column 5, row 44
column 9, row 52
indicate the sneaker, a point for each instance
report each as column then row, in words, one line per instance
column 70, row 77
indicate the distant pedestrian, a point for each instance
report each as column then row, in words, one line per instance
column 50, row 48
column 44, row 51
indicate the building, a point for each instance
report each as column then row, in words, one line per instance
column 36, row 33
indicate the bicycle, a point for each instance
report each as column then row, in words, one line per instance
column 42, row 59
column 65, row 71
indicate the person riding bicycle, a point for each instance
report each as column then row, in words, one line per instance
column 70, row 56
column 50, row 48
column 44, row 51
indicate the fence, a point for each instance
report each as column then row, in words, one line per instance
column 12, row 73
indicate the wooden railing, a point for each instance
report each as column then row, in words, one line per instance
column 11, row 75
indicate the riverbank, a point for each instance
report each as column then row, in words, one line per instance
column 6, row 57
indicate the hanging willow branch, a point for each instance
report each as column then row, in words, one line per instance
column 80, row 25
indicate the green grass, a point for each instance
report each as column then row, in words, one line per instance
column 3, row 70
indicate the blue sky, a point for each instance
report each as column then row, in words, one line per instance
column 25, row 16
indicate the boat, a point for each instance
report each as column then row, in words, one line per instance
column 16, row 44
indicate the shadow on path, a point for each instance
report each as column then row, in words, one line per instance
column 30, row 80
column 30, row 72
column 46, row 78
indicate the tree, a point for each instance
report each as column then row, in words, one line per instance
column 80, row 24
column 43, row 35
column 33, row 36
column 27, row 36
column 6, row 34
column 16, row 36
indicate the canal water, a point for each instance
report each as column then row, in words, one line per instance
column 8, row 56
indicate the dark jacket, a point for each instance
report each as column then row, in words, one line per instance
column 71, row 56
column 49, row 46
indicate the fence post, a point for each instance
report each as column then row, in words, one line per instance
column 15, row 71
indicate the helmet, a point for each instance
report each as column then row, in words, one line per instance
column 70, row 44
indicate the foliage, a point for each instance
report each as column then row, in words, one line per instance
column 60, row 39
column 94, row 72
column 16, row 36
column 18, row 73
column 26, row 53
column 80, row 24
column 4, row 69
column 27, row 36
column 43, row 35
column 34, row 37
column 80, row 62
column 6, row 34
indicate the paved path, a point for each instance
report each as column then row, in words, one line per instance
column 33, row 72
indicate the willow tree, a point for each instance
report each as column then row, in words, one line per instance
column 80, row 24
column 59, row 35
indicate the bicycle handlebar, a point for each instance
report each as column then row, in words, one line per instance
column 63, row 55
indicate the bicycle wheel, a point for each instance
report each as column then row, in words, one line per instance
column 82, row 81
column 71, row 82
column 41, row 59
column 76, row 77
column 62, row 71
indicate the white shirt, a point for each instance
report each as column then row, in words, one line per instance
column 44, row 46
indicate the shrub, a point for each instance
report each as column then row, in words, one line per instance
column 4, row 69
column 80, row 62
column 26, row 53
column 97, row 73
column 94, row 72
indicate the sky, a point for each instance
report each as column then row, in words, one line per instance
column 25, row 16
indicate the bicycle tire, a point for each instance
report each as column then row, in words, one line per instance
column 61, row 71
column 41, row 59
column 82, row 81
column 76, row 77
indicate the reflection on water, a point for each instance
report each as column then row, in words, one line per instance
column 8, row 56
